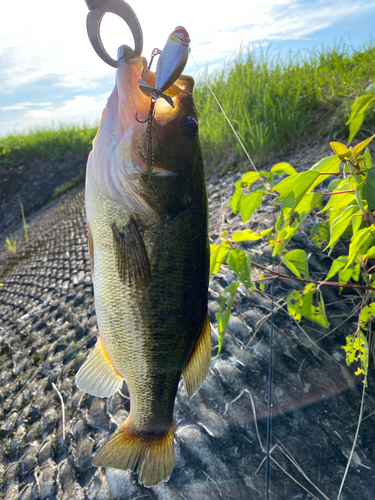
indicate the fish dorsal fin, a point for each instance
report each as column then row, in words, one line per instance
column 150, row 456
column 133, row 264
column 196, row 370
column 97, row 376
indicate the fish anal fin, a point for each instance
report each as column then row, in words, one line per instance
column 97, row 376
column 151, row 456
column 195, row 372
column 132, row 259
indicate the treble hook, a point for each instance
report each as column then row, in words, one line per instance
column 150, row 115
column 97, row 10
column 155, row 52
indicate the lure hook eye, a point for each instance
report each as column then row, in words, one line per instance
column 97, row 10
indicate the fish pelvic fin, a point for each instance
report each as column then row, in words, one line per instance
column 195, row 372
column 133, row 264
column 97, row 376
column 150, row 456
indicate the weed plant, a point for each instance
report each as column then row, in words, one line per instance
column 276, row 103
column 46, row 143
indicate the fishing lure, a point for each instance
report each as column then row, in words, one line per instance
column 171, row 63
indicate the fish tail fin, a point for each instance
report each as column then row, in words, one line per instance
column 151, row 457
column 195, row 372
column 97, row 376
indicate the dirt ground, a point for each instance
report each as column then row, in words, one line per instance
column 48, row 325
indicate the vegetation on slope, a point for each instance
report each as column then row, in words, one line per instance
column 46, row 143
column 275, row 104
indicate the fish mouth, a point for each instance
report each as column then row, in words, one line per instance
column 131, row 68
column 120, row 161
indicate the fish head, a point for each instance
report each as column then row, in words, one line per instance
column 154, row 166
column 177, row 169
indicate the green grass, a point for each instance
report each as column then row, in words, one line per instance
column 46, row 143
column 275, row 103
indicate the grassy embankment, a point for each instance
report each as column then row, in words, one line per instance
column 275, row 103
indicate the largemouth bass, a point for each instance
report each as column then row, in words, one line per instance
column 148, row 242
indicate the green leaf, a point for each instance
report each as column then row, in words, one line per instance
column 342, row 151
column 249, row 235
column 370, row 254
column 236, row 198
column 367, row 159
column 294, row 302
column 218, row 254
column 337, row 265
column 333, row 184
column 345, row 275
column 355, row 124
column 308, row 202
column 297, row 259
column 313, row 306
column 340, row 199
column 283, row 168
column 222, row 317
column 261, row 285
column 249, row 203
column 356, row 271
column 360, row 242
column 360, row 106
column 290, row 266
column 249, row 178
column 293, row 188
column 367, row 313
column 361, row 146
column 240, row 262
column 358, row 197
column 320, row 233
column 357, row 349
column 370, row 188
column 340, row 224
column 329, row 164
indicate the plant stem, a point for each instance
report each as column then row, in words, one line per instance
column 339, row 192
column 329, row 283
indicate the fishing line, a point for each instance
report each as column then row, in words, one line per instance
column 224, row 113
column 269, row 406
column 270, row 367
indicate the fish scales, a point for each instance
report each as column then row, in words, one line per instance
column 160, row 314
column 150, row 257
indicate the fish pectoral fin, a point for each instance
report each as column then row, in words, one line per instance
column 133, row 264
column 195, row 372
column 97, row 376
column 151, row 456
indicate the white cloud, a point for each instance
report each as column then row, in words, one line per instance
column 78, row 106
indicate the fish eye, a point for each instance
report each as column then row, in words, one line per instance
column 190, row 126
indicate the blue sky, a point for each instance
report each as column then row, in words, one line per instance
column 50, row 74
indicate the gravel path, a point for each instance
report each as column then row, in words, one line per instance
column 48, row 325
